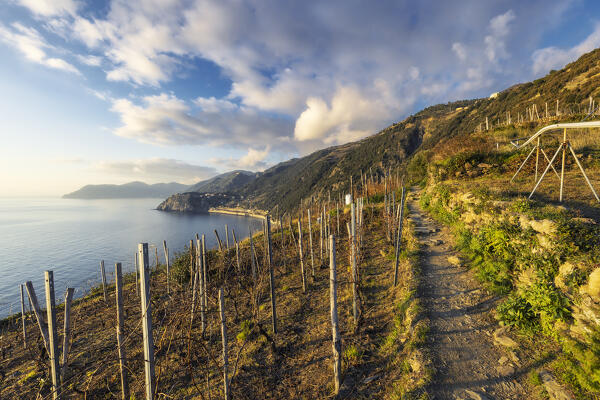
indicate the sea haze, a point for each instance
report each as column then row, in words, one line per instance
column 71, row 236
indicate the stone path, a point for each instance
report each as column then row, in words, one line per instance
column 461, row 339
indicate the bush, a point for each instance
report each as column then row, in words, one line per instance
column 535, row 309
column 416, row 170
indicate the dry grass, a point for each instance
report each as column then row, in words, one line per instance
column 294, row 363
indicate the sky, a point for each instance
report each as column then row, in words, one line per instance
column 163, row 90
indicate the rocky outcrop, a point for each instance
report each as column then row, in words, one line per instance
column 192, row 202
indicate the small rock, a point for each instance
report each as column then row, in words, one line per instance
column 453, row 260
column 484, row 165
column 505, row 369
column 584, row 220
column 555, row 391
column 503, row 360
column 474, row 395
column 501, row 339
column 371, row 378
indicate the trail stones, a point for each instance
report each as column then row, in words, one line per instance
column 472, row 395
column 501, row 339
column 555, row 391
column 454, row 260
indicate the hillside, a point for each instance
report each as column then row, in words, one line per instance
column 126, row 191
column 498, row 296
column 224, row 183
column 287, row 183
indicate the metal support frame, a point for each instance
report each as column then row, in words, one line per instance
column 537, row 149
column 564, row 145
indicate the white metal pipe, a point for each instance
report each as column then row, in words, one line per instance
column 566, row 125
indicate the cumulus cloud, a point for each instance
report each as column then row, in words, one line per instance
column 460, row 51
column 351, row 114
column 157, row 170
column 32, row 45
column 90, row 60
column 254, row 159
column 166, row 119
column 553, row 57
column 495, row 42
column 50, row 8
column 162, row 119
column 303, row 74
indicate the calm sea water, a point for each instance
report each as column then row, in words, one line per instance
column 71, row 236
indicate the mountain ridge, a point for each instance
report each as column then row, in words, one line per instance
column 397, row 147
column 130, row 190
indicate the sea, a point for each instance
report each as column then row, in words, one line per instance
column 72, row 236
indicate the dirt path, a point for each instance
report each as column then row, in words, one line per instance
column 468, row 364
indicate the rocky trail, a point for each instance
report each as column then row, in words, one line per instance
column 473, row 358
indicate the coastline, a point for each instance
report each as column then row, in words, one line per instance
column 261, row 214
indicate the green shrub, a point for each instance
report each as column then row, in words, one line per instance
column 536, row 308
column 516, row 311
column 180, row 268
column 416, row 170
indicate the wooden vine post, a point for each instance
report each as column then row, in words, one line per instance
column 66, row 332
column 120, row 324
column 301, row 255
column 203, row 286
column 38, row 313
column 146, row 319
column 224, row 339
column 136, row 274
column 23, row 316
column 192, row 258
column 336, row 341
column 237, row 257
column 194, row 277
column 252, row 259
column 354, row 272
column 310, row 243
column 282, row 240
column 271, row 278
column 52, row 336
column 103, row 278
column 399, row 236
column 167, row 263
column 226, row 237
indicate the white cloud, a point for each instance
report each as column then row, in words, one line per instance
column 50, row 8
column 460, row 51
column 157, row 170
column 303, row 74
column 554, row 58
column 495, row 42
column 33, row 46
column 255, row 158
column 352, row 114
column 90, row 60
column 163, row 119
column 166, row 119
column 214, row 105
column 499, row 24
column 414, row 72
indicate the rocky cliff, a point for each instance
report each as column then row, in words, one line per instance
column 193, row 202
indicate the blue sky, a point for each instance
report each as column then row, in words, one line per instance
column 165, row 90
